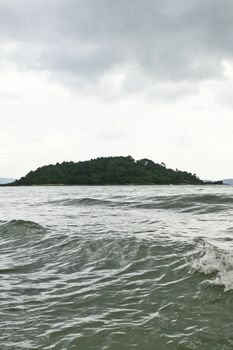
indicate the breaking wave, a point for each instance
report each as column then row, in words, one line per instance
column 215, row 263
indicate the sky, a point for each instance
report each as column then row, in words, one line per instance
column 81, row 79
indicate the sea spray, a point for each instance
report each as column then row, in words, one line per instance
column 218, row 263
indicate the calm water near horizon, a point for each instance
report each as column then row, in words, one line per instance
column 116, row 268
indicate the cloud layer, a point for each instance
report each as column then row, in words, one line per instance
column 80, row 41
column 87, row 78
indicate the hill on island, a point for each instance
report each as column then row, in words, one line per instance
column 107, row 171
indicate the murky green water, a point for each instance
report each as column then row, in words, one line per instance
column 120, row 268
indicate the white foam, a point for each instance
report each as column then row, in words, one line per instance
column 224, row 279
column 216, row 262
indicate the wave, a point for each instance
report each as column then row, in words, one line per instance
column 163, row 202
column 87, row 201
column 81, row 201
column 201, row 204
column 215, row 263
column 209, row 199
column 20, row 226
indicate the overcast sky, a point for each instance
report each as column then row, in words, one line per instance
column 86, row 78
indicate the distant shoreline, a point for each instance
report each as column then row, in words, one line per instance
column 113, row 185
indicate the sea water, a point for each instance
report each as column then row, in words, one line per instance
column 116, row 267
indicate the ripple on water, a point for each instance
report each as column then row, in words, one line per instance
column 88, row 268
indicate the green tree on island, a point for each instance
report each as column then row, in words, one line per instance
column 108, row 171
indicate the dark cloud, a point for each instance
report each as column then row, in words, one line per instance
column 81, row 40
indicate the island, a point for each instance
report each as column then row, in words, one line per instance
column 107, row 171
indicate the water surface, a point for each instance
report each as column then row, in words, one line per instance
column 116, row 267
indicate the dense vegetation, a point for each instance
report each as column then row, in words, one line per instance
column 107, row 171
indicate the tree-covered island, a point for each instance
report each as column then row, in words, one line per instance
column 107, row 171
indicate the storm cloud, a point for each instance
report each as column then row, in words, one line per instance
column 80, row 41
column 86, row 78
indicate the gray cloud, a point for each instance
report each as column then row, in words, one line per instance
column 81, row 40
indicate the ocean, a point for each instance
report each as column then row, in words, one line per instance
column 116, row 268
